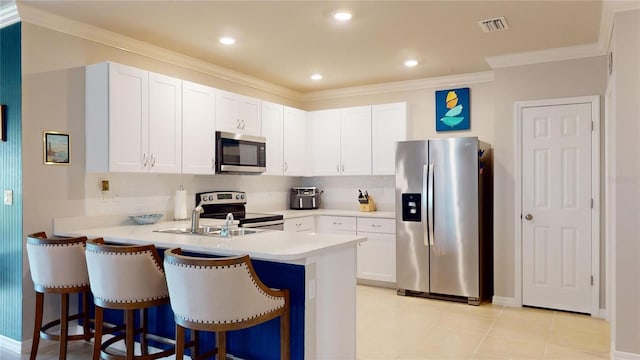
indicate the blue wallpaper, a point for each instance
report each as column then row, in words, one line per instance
column 11, row 178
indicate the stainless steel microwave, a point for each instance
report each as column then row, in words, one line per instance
column 240, row 154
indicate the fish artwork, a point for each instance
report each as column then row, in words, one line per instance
column 451, row 118
column 452, row 109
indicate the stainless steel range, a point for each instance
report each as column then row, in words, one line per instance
column 217, row 204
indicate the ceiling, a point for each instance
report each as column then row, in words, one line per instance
column 284, row 42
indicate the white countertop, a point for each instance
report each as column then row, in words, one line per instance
column 270, row 245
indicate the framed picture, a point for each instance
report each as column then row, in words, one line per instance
column 3, row 123
column 56, row 148
column 453, row 110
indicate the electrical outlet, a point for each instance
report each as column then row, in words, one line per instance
column 8, row 197
column 104, row 185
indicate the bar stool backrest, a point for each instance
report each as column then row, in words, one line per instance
column 217, row 291
column 122, row 274
column 57, row 263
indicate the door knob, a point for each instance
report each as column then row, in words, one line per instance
column 528, row 217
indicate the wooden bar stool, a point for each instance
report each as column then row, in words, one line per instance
column 220, row 295
column 58, row 267
column 127, row 278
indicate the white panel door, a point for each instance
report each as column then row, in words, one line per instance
column 324, row 140
column 128, row 118
column 272, row 118
column 295, row 142
column 355, row 141
column 198, row 128
column 556, row 207
column 165, row 124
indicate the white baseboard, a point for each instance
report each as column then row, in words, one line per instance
column 10, row 345
column 621, row 355
column 505, row 301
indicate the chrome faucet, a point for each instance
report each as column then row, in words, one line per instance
column 225, row 231
column 195, row 218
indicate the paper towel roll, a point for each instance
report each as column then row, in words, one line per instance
column 180, row 208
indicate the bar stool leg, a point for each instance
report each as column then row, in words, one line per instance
column 144, row 344
column 97, row 333
column 64, row 326
column 85, row 316
column 180, row 342
column 37, row 325
column 221, row 338
column 129, row 337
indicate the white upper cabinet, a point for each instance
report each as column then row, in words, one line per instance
column 272, row 123
column 237, row 113
column 324, row 133
column 389, row 125
column 165, row 124
column 356, row 141
column 341, row 141
column 198, row 128
column 296, row 146
column 133, row 120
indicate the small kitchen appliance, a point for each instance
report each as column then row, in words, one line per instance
column 240, row 154
column 305, row 198
column 217, row 204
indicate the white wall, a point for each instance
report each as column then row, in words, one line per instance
column 626, row 181
column 569, row 78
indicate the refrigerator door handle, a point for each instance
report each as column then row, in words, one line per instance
column 425, row 225
column 430, row 223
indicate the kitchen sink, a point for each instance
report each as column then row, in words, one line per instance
column 209, row 231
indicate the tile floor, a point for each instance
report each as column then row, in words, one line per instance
column 397, row 327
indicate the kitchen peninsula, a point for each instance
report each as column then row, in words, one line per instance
column 318, row 269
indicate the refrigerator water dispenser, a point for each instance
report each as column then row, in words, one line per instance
column 411, row 207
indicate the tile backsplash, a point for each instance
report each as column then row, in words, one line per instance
column 138, row 193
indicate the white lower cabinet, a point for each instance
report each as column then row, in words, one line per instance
column 301, row 224
column 377, row 255
column 337, row 224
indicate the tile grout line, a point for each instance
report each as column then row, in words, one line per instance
column 475, row 350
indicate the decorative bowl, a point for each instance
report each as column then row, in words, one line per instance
column 145, row 219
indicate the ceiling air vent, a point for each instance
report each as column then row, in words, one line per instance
column 495, row 24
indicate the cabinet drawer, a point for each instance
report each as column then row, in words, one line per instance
column 299, row 224
column 336, row 223
column 377, row 225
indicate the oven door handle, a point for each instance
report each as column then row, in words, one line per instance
column 262, row 224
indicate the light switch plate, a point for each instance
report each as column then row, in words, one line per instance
column 8, row 197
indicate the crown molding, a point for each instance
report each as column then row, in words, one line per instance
column 124, row 43
column 8, row 14
column 399, row 86
column 548, row 55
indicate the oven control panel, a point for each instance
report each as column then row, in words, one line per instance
column 221, row 197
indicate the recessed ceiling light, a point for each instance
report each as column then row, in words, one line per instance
column 411, row 63
column 316, row 77
column 342, row 16
column 227, row 40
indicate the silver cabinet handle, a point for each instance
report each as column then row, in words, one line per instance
column 338, row 167
column 342, row 167
column 238, row 126
column 529, row 217
column 286, row 166
column 243, row 124
column 337, row 223
column 153, row 160
column 145, row 160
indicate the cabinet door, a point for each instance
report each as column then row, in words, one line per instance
column 355, row 141
column 295, row 142
column 272, row 119
column 377, row 257
column 324, row 140
column 227, row 111
column 301, row 224
column 389, row 125
column 198, row 128
column 165, row 124
column 128, row 118
column 250, row 114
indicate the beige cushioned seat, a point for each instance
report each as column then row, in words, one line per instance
column 220, row 295
column 58, row 266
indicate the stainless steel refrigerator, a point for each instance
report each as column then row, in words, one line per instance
column 444, row 217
